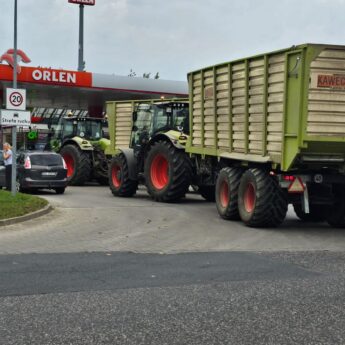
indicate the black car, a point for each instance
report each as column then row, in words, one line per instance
column 38, row 170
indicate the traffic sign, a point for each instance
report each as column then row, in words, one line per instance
column 15, row 117
column 15, row 99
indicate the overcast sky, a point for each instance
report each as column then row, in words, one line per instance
column 173, row 37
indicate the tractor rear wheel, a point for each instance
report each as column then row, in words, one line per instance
column 78, row 165
column 167, row 172
column 261, row 201
column 119, row 181
column 227, row 185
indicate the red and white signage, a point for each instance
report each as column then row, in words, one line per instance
column 39, row 75
column 296, row 186
column 49, row 75
column 15, row 99
column 335, row 81
column 83, row 2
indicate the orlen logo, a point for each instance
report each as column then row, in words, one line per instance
column 56, row 76
column 9, row 58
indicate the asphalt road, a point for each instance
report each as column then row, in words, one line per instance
column 198, row 298
column 88, row 219
column 102, row 270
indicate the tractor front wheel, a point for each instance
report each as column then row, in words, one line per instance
column 78, row 165
column 167, row 172
column 119, row 182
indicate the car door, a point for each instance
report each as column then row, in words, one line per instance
column 2, row 171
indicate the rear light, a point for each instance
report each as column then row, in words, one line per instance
column 289, row 178
column 27, row 164
column 64, row 164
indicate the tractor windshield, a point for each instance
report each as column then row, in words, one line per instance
column 156, row 118
column 88, row 129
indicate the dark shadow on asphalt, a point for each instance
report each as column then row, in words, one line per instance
column 31, row 274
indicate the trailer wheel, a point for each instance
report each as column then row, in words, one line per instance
column 167, row 172
column 261, row 201
column 317, row 213
column 336, row 214
column 119, row 182
column 78, row 165
column 226, row 194
column 207, row 192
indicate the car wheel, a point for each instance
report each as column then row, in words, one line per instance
column 60, row 190
column 19, row 187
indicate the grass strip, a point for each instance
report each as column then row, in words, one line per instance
column 19, row 205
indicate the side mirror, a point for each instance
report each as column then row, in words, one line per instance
column 134, row 116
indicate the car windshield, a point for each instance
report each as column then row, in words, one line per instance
column 46, row 159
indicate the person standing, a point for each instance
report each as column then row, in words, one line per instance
column 7, row 154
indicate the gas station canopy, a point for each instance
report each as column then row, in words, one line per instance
column 53, row 88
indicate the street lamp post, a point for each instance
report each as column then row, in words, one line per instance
column 81, row 64
column 14, row 128
column 81, row 3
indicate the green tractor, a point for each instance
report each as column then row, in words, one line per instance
column 156, row 154
column 80, row 142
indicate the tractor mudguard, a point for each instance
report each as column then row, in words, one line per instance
column 178, row 139
column 131, row 161
column 83, row 144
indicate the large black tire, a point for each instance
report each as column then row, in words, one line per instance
column 167, row 171
column 261, row 201
column 119, row 182
column 336, row 214
column 317, row 213
column 78, row 165
column 207, row 192
column 227, row 185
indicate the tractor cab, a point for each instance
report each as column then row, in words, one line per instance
column 85, row 128
column 152, row 119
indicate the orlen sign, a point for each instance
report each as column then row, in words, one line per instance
column 83, row 2
column 55, row 76
column 39, row 75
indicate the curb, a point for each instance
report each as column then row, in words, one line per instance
column 29, row 216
